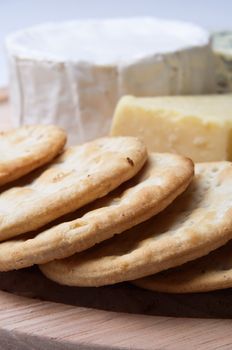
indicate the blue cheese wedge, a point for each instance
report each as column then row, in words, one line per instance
column 222, row 47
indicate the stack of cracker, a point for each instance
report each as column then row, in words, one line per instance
column 107, row 211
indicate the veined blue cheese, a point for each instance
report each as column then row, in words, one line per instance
column 222, row 47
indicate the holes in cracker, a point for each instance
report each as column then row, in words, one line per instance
column 206, row 185
column 53, row 176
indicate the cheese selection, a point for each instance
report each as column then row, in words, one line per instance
column 199, row 127
column 72, row 74
column 222, row 48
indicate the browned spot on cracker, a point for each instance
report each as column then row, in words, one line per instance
column 130, row 161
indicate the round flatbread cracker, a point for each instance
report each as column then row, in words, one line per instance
column 27, row 148
column 77, row 177
column 160, row 181
column 199, row 220
column 211, row 272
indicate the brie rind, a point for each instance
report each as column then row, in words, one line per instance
column 72, row 74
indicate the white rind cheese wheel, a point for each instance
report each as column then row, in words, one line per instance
column 72, row 74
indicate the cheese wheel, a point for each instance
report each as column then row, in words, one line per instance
column 72, row 74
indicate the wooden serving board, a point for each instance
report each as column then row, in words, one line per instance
column 36, row 313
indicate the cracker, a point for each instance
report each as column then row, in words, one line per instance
column 211, row 272
column 161, row 180
column 198, row 221
column 27, row 148
column 77, row 177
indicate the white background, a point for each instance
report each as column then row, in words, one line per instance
column 15, row 14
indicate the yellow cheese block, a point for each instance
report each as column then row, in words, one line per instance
column 199, row 127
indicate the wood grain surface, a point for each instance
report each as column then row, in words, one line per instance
column 32, row 324
column 36, row 313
